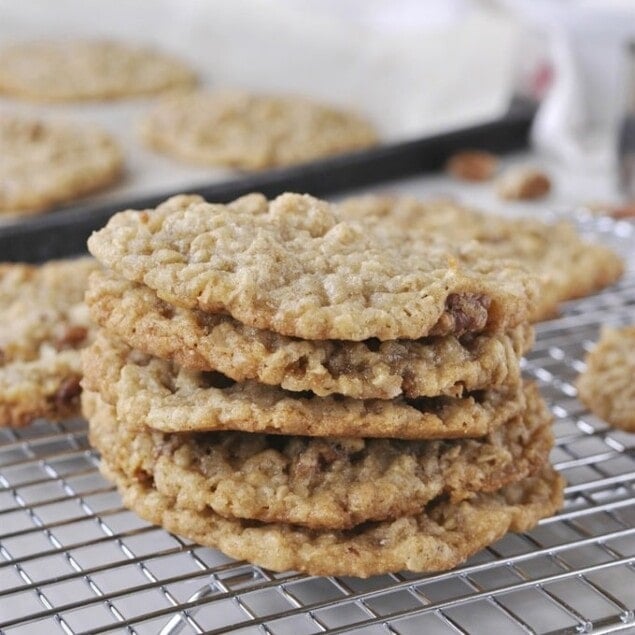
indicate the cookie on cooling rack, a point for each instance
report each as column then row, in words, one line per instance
column 171, row 399
column 83, row 69
column 44, row 163
column 292, row 266
column 248, row 131
column 441, row 536
column 43, row 324
column 607, row 386
column 566, row 266
column 322, row 483
column 444, row 365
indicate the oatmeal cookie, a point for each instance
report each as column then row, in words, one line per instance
column 443, row 535
column 44, row 164
column 332, row 483
column 445, row 365
column 247, row 131
column 607, row 386
column 43, row 324
column 81, row 70
column 170, row 399
column 566, row 266
column 294, row 267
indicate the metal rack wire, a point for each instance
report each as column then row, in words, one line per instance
column 73, row 560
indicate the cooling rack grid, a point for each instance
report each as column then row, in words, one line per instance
column 72, row 560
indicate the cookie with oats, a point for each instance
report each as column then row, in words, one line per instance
column 293, row 266
column 607, row 386
column 444, row 365
column 77, row 70
column 247, row 131
column 322, row 483
column 441, row 536
column 43, row 325
column 45, row 163
column 566, row 266
column 171, row 399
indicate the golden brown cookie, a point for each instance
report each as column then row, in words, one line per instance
column 247, row 131
column 46, row 163
column 566, row 266
column 607, row 386
column 43, row 324
column 321, row 483
column 170, row 399
column 445, row 365
column 294, row 267
column 440, row 537
column 66, row 70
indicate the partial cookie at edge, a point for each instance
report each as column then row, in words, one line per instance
column 43, row 324
column 47, row 163
column 607, row 386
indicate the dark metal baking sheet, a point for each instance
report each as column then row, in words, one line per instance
column 64, row 233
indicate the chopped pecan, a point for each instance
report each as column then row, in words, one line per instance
column 71, row 337
column 464, row 313
column 523, row 184
column 472, row 165
column 67, row 392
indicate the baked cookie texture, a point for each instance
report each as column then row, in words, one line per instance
column 333, row 483
column 46, row 163
column 441, row 536
column 196, row 340
column 293, row 266
column 43, row 325
column 171, row 399
column 88, row 70
column 311, row 390
column 566, row 266
column 247, row 131
column 607, row 386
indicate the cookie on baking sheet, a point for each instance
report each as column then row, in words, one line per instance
column 196, row 340
column 63, row 70
column 566, row 266
column 242, row 130
column 440, row 537
column 607, row 386
column 45, row 163
column 171, row 399
column 43, row 324
column 292, row 266
column 332, row 483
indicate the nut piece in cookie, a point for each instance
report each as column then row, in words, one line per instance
column 607, row 386
column 472, row 165
column 522, row 184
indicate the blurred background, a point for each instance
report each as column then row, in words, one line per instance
column 413, row 67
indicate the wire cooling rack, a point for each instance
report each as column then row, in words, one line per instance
column 73, row 560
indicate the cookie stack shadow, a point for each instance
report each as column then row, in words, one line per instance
column 328, row 456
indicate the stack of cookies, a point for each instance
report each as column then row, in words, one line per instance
column 314, row 394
